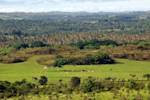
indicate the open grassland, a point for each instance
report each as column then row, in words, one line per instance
column 31, row 68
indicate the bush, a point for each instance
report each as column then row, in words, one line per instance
column 23, row 87
column 135, row 85
column 75, row 82
column 4, row 85
column 90, row 85
column 8, row 89
column 94, row 44
column 59, row 62
column 37, row 44
column 43, row 80
column 148, row 86
column 147, row 76
column 20, row 46
column 103, row 58
column 99, row 58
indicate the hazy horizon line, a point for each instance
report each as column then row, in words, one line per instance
column 76, row 11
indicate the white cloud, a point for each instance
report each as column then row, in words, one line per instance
column 73, row 5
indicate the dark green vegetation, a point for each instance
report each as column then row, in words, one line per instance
column 99, row 58
column 33, row 44
column 94, row 44
column 61, row 22
column 90, row 85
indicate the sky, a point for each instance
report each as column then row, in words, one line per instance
column 74, row 5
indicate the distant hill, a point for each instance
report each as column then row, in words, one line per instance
column 69, row 22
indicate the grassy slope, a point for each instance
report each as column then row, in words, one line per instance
column 30, row 68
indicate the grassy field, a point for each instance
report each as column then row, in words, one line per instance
column 31, row 68
column 120, row 95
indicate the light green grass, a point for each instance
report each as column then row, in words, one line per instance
column 29, row 69
column 120, row 95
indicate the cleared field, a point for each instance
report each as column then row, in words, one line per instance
column 31, row 68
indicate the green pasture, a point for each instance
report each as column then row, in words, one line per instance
column 123, row 69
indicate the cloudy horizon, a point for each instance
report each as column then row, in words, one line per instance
column 74, row 5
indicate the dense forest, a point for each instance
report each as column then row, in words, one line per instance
column 64, row 22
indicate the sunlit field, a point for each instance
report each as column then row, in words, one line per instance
column 123, row 70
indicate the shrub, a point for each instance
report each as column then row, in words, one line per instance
column 4, row 85
column 147, row 76
column 59, row 62
column 103, row 58
column 38, row 44
column 43, row 80
column 148, row 86
column 75, row 82
column 8, row 89
column 90, row 84
column 99, row 58
column 135, row 85
column 94, row 44
column 20, row 46
column 23, row 87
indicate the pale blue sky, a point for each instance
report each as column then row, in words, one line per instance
column 73, row 5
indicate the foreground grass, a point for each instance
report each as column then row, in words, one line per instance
column 31, row 68
column 122, row 94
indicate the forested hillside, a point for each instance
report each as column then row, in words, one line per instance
column 63, row 22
